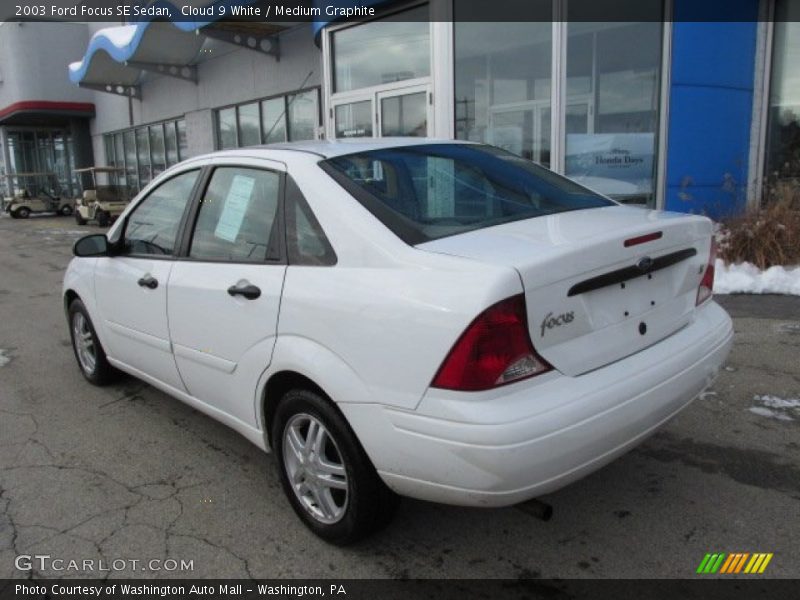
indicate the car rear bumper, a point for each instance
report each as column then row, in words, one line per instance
column 517, row 442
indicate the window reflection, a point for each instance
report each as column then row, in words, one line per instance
column 249, row 134
column 502, row 85
column 303, row 115
column 273, row 120
column 395, row 48
column 612, row 112
column 226, row 128
column 354, row 119
column 783, row 135
column 405, row 115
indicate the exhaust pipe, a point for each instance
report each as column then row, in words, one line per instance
column 537, row 508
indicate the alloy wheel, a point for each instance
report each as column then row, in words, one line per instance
column 83, row 338
column 315, row 468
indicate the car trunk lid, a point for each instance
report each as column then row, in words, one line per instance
column 600, row 284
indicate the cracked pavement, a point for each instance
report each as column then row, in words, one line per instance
column 126, row 472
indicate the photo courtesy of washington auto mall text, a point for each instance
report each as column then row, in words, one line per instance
column 399, row 299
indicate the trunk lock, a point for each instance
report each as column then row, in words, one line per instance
column 642, row 327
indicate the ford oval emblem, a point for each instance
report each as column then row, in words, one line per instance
column 645, row 264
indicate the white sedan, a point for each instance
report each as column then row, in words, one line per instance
column 440, row 320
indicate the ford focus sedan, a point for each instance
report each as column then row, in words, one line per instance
column 439, row 320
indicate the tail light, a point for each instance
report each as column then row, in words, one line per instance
column 494, row 350
column 706, row 289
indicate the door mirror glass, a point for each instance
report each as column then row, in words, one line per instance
column 91, row 245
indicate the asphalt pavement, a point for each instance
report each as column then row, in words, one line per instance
column 128, row 473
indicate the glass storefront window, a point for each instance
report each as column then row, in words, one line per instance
column 354, row 119
column 502, row 85
column 143, row 156
column 405, row 115
column 303, row 114
column 611, row 101
column 183, row 146
column 119, row 153
column 291, row 117
column 131, row 171
column 612, row 107
column 44, row 151
column 249, row 134
column 395, row 48
column 171, row 143
column 157, row 150
column 226, row 128
column 783, row 132
column 273, row 121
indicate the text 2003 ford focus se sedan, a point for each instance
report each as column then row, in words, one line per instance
column 441, row 320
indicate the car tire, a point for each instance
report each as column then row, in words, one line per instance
column 22, row 213
column 79, row 219
column 357, row 503
column 89, row 353
column 65, row 210
column 103, row 218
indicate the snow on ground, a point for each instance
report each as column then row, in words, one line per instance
column 782, row 409
column 4, row 359
column 747, row 278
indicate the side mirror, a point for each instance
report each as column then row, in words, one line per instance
column 91, row 245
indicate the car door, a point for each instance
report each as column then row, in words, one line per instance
column 224, row 294
column 131, row 286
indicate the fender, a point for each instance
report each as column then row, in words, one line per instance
column 79, row 279
column 319, row 364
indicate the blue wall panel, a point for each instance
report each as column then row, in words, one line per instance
column 711, row 101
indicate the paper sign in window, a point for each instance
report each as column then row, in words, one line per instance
column 236, row 203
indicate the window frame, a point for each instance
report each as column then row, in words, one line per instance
column 119, row 242
column 294, row 197
column 189, row 224
column 284, row 96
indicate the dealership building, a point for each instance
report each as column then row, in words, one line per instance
column 672, row 111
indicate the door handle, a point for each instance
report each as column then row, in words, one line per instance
column 148, row 281
column 249, row 291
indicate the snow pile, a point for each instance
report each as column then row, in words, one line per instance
column 749, row 279
column 4, row 360
column 782, row 409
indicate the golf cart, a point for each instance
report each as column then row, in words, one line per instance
column 35, row 193
column 103, row 200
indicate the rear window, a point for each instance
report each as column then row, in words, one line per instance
column 427, row 192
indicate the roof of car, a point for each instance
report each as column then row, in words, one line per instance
column 340, row 147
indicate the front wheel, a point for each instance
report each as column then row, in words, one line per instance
column 328, row 478
column 103, row 218
column 88, row 351
column 79, row 219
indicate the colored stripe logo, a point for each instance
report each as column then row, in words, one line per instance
column 734, row 563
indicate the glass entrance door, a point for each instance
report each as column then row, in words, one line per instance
column 403, row 112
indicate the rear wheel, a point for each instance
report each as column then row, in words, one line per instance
column 88, row 351
column 328, row 478
column 22, row 213
column 65, row 210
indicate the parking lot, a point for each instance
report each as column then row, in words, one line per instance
column 126, row 472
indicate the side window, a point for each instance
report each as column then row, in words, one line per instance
column 307, row 244
column 153, row 226
column 236, row 220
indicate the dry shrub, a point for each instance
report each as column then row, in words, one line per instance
column 766, row 236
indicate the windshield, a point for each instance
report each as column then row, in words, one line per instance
column 431, row 191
